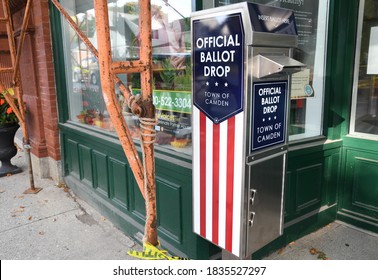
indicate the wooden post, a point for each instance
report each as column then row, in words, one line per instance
column 147, row 114
column 148, row 122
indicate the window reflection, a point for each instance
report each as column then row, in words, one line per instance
column 171, row 67
column 306, row 109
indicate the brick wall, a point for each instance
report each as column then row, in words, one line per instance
column 37, row 76
column 44, row 68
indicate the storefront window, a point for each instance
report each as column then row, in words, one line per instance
column 307, row 94
column 365, row 99
column 171, row 67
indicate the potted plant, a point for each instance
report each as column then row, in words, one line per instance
column 8, row 128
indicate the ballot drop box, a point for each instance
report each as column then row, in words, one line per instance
column 242, row 66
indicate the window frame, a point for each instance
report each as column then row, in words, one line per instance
column 357, row 56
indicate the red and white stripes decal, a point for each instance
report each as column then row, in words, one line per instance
column 217, row 179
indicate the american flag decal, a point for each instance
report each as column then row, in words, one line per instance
column 217, row 179
column 218, row 128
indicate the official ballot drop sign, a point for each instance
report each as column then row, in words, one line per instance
column 268, row 114
column 218, row 115
column 218, row 61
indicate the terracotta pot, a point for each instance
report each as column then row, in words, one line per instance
column 7, row 149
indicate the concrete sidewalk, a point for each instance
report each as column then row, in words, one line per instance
column 54, row 224
column 336, row 241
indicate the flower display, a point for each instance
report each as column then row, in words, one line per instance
column 7, row 115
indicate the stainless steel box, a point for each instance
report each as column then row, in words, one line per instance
column 242, row 66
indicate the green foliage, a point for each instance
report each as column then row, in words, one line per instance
column 176, row 79
column 7, row 116
column 168, row 74
column 183, row 79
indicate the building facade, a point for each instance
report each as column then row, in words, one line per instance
column 38, row 81
column 333, row 131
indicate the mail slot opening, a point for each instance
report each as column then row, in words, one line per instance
column 266, row 65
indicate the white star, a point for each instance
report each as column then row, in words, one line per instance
column 207, row 83
column 226, row 84
column 216, row 84
column 270, row 118
column 263, row 119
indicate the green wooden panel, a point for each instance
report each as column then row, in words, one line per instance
column 137, row 203
column 365, row 184
column 118, row 182
column 100, row 167
column 308, row 186
column 360, row 144
column 288, row 198
column 311, row 179
column 331, row 178
column 85, row 155
column 169, row 209
column 73, row 157
column 359, row 192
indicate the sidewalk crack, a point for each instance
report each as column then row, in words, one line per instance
column 35, row 221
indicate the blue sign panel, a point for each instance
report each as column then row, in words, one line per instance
column 269, row 114
column 218, row 65
column 270, row 19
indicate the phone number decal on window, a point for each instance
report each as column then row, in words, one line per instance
column 175, row 101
